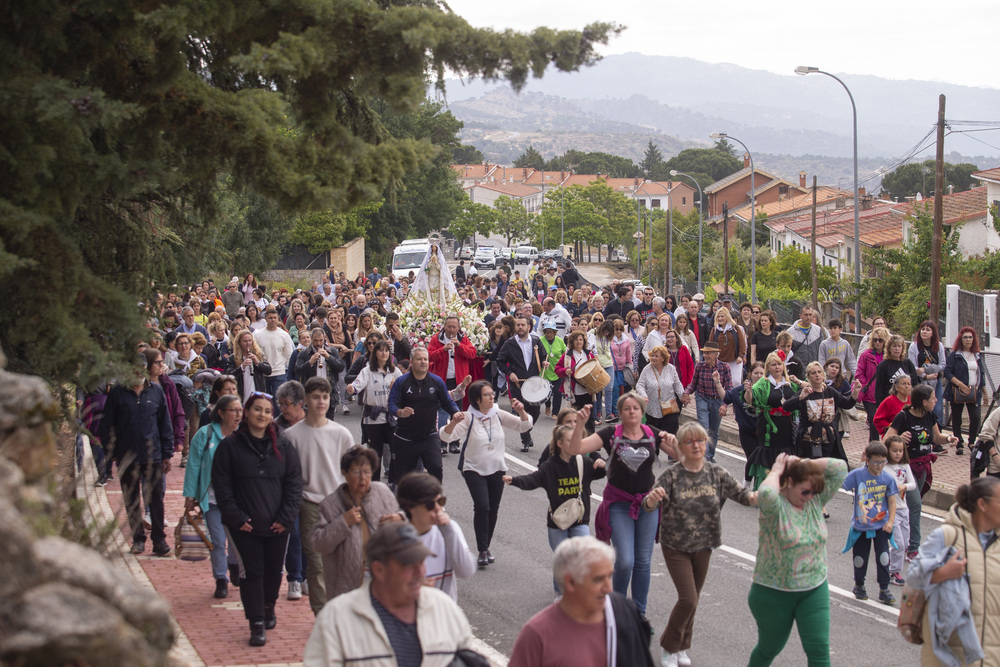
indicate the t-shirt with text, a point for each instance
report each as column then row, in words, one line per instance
column 871, row 503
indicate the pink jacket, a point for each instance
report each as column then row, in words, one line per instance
column 868, row 363
column 621, row 352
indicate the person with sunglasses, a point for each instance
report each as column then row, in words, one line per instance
column 419, row 495
column 790, row 575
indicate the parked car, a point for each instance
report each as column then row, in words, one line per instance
column 485, row 258
column 525, row 254
column 467, row 252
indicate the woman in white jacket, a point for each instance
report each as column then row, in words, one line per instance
column 374, row 380
column 481, row 430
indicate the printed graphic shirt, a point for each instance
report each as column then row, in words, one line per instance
column 871, row 503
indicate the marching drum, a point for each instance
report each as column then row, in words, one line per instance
column 536, row 390
column 591, row 376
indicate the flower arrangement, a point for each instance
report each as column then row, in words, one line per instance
column 421, row 320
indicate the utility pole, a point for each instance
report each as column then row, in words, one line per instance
column 815, row 271
column 936, row 240
column 725, row 244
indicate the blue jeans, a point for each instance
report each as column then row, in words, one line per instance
column 273, row 382
column 619, row 380
column 295, row 563
column 633, row 543
column 216, row 532
column 710, row 420
column 939, row 406
column 557, row 536
column 610, row 408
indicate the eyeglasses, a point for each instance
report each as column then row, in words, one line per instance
column 877, row 464
column 429, row 505
column 360, row 471
column 967, row 337
column 756, row 312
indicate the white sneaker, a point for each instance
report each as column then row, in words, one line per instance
column 347, row 410
column 304, row 587
column 669, row 660
column 294, row 590
column 683, row 660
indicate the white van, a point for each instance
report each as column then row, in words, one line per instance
column 408, row 255
column 525, row 254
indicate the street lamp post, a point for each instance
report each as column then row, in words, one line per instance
column 753, row 216
column 802, row 70
column 674, row 172
column 638, row 234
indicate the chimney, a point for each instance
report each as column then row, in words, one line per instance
column 746, row 160
column 802, row 179
column 635, row 182
column 951, row 189
column 524, row 172
column 861, row 192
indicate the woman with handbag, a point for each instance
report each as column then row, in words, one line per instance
column 660, row 385
column 375, row 380
column 566, row 480
column 961, row 558
column 225, row 418
column 481, row 429
column 689, row 496
column 928, row 356
column 631, row 447
column 965, row 374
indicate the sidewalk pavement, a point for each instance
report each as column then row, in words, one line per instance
column 950, row 470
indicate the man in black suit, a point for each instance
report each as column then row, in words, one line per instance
column 571, row 276
column 460, row 271
column 518, row 360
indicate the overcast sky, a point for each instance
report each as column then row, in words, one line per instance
column 953, row 42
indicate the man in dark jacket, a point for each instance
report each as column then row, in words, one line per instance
column 519, row 360
column 571, row 276
column 136, row 427
column 460, row 271
column 620, row 306
column 553, row 636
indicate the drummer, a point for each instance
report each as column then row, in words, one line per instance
column 520, row 360
column 576, row 355
column 554, row 347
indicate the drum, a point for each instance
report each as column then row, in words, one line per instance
column 536, row 390
column 591, row 376
column 629, row 376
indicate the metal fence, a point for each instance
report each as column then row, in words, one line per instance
column 970, row 310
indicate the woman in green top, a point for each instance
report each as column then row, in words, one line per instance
column 789, row 579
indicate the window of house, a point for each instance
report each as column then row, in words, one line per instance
column 656, row 203
column 782, row 189
column 684, row 201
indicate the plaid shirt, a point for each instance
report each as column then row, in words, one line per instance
column 703, row 384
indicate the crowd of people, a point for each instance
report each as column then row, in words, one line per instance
column 247, row 383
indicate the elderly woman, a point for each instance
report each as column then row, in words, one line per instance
column 660, row 385
column 576, row 354
column 481, row 429
column 657, row 338
column 790, row 575
column 248, row 365
column 258, row 487
column 965, row 547
column 225, row 418
column 689, row 496
column 347, row 517
column 631, row 448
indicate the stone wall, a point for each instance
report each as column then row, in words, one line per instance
column 350, row 258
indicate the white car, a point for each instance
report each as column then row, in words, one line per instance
column 485, row 258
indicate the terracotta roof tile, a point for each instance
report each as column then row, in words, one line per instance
column 736, row 176
column 510, row 189
column 988, row 175
column 959, row 207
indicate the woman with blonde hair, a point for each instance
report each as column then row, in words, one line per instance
column 248, row 365
column 732, row 342
column 775, row 432
column 868, row 362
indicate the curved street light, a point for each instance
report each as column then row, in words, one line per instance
column 802, row 70
column 674, row 172
column 753, row 216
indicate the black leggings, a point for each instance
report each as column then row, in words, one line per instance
column 262, row 558
column 486, row 491
column 377, row 435
column 974, row 421
column 582, row 400
column 870, row 409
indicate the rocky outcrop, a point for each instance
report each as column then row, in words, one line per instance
column 60, row 603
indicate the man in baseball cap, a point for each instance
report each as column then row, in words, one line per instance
column 395, row 604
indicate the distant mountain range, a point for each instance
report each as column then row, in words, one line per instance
column 791, row 123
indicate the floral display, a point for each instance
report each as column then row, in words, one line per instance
column 421, row 320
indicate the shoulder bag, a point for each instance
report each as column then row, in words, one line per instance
column 666, row 407
column 191, row 542
column 571, row 511
column 912, row 603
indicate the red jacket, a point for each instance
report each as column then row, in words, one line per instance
column 465, row 352
column 684, row 365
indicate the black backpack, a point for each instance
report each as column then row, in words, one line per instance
column 980, row 458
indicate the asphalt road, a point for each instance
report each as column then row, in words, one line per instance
column 501, row 598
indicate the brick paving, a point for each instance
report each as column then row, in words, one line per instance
column 217, row 629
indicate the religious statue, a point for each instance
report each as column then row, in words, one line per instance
column 434, row 283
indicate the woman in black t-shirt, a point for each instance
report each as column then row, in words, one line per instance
column 631, row 447
column 918, row 427
column 762, row 341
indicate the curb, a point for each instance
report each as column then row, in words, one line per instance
column 940, row 496
column 98, row 510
